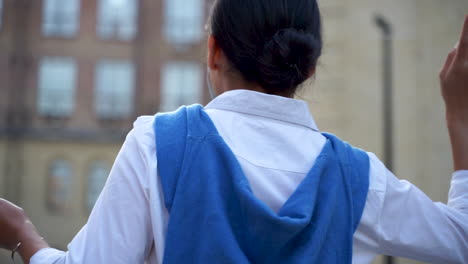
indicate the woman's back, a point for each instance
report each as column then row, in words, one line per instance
column 129, row 221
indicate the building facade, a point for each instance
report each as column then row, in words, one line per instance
column 75, row 76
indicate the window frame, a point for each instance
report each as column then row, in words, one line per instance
column 172, row 8
column 58, row 30
column 182, row 71
column 64, row 205
column 63, row 111
column 2, row 7
column 98, row 90
column 115, row 34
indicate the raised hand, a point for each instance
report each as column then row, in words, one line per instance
column 454, row 78
column 454, row 85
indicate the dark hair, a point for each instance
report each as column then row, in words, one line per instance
column 274, row 43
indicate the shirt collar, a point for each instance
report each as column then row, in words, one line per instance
column 265, row 105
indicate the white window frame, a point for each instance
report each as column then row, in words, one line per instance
column 183, row 26
column 57, row 82
column 110, row 27
column 108, row 103
column 55, row 13
column 181, row 84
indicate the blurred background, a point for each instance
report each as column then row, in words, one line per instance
column 75, row 74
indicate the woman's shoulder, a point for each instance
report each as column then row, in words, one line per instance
column 142, row 132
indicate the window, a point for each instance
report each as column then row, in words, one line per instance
column 60, row 18
column 1, row 13
column 184, row 21
column 57, row 82
column 181, row 85
column 97, row 177
column 59, row 186
column 117, row 19
column 114, row 88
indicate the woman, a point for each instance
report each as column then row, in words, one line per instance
column 232, row 182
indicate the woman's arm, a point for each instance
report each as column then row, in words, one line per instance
column 454, row 84
column 405, row 222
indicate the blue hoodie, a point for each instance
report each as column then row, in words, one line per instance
column 215, row 217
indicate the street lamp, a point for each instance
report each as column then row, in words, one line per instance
column 387, row 84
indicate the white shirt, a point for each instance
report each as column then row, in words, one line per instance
column 276, row 142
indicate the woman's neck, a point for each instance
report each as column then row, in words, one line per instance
column 236, row 83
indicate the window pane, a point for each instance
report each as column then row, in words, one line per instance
column 97, row 177
column 181, row 85
column 114, row 89
column 57, row 82
column 59, row 186
column 184, row 21
column 117, row 19
column 60, row 17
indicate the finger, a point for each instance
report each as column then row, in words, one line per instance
column 448, row 63
column 463, row 44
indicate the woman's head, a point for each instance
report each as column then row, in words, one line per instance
column 272, row 43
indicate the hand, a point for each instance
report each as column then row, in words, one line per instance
column 12, row 219
column 15, row 227
column 454, row 80
column 454, row 84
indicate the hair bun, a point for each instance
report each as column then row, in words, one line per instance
column 287, row 58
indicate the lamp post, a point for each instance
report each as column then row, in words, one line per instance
column 387, row 100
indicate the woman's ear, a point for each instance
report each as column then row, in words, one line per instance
column 214, row 53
